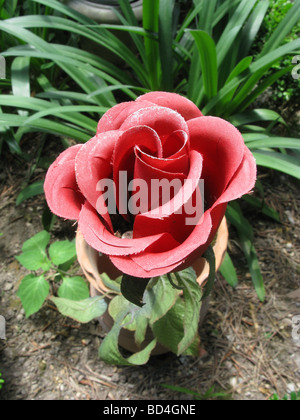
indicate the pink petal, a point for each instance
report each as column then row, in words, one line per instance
column 93, row 164
column 62, row 193
column 99, row 238
column 114, row 118
column 124, row 156
column 170, row 204
column 178, row 103
column 162, row 120
column 243, row 181
column 147, row 173
column 178, row 160
column 222, row 147
column 176, row 144
column 147, row 264
column 174, row 165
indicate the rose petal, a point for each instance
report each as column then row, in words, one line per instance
column 174, row 224
column 114, row 117
column 98, row 237
column 93, row 164
column 176, row 144
column 178, row 103
column 174, row 165
column 217, row 215
column 146, row 175
column 62, row 193
column 243, row 181
column 222, row 148
column 124, row 158
column 177, row 162
column 165, row 201
column 163, row 120
column 147, row 264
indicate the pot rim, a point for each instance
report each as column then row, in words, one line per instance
column 93, row 265
column 103, row 13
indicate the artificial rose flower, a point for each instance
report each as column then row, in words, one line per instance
column 160, row 136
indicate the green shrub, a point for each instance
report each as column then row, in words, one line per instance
column 286, row 88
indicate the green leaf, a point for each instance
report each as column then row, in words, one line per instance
column 252, row 27
column 279, row 162
column 151, row 24
column 34, row 256
column 159, row 298
column 266, row 142
column 109, row 350
column 261, row 205
column 74, row 288
column 169, row 330
column 206, row 16
column 34, row 261
column 37, row 243
column 117, row 305
column 208, row 59
column 33, row 291
column 245, row 231
column 61, row 252
column 192, row 299
column 253, row 263
column 166, row 11
column 239, row 221
column 133, row 288
column 46, row 126
column 260, row 115
column 228, row 271
column 20, row 79
column 82, row 311
column 136, row 320
column 240, row 68
column 32, row 190
column 248, row 81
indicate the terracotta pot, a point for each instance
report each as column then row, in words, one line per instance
column 94, row 265
column 102, row 11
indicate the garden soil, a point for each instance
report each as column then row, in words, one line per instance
column 249, row 350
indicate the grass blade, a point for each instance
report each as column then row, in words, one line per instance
column 52, row 127
column 283, row 163
column 151, row 24
column 245, row 231
column 208, row 59
column 273, row 142
column 31, row 191
column 257, row 115
column 166, row 11
column 228, row 271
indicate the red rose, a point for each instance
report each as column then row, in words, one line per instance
column 160, row 136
